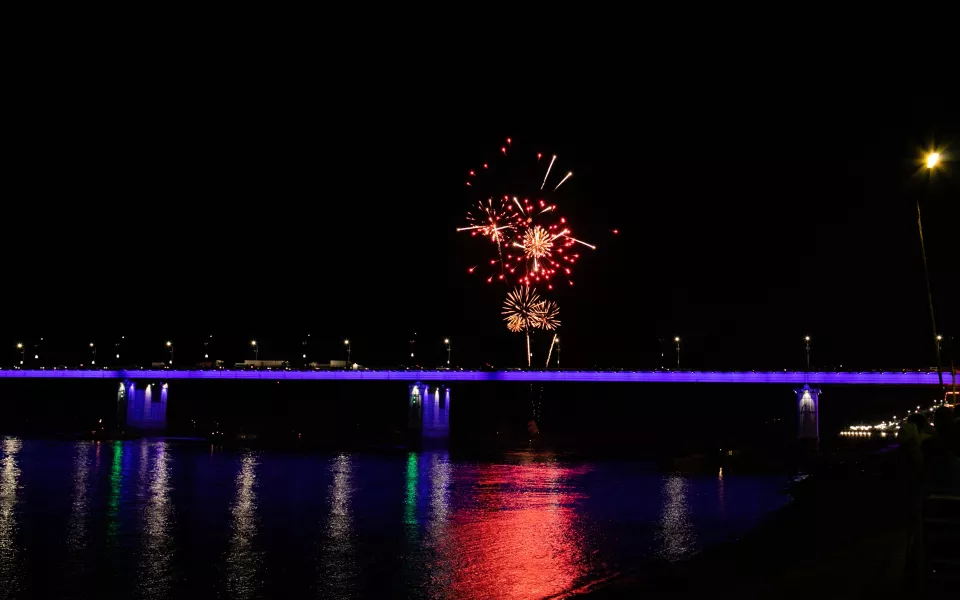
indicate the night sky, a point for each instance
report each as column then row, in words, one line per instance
column 744, row 224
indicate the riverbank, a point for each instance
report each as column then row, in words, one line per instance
column 844, row 535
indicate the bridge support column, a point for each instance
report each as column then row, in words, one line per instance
column 435, row 430
column 808, row 400
column 428, row 415
column 146, row 408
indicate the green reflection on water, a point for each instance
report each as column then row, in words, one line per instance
column 410, row 499
column 114, row 504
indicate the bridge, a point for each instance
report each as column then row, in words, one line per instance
column 883, row 378
column 429, row 414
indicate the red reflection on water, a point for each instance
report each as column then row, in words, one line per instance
column 520, row 539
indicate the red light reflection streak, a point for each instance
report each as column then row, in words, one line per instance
column 521, row 539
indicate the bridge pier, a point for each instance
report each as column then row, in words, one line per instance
column 428, row 415
column 808, row 400
column 142, row 409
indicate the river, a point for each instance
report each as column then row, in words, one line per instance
column 174, row 519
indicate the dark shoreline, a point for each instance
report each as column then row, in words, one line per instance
column 843, row 535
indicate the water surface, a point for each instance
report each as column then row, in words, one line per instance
column 169, row 519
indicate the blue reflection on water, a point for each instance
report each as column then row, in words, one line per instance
column 156, row 519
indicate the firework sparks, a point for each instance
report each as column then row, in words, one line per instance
column 537, row 242
column 547, row 315
column 491, row 220
column 521, row 308
column 515, row 324
column 543, row 237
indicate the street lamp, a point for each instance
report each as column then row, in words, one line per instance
column 677, row 342
column 20, row 348
column 347, row 344
column 557, row 339
column 304, row 344
column 256, row 349
column 806, row 340
column 447, row 342
column 170, row 346
column 93, row 348
column 931, row 161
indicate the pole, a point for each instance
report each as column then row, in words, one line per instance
column 926, row 275
column 806, row 373
column 953, row 371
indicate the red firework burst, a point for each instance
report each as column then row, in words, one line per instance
column 534, row 243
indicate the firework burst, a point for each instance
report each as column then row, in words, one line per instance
column 542, row 238
column 547, row 315
column 496, row 221
column 521, row 309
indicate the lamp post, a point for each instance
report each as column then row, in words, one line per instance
column 806, row 341
column 170, row 347
column 447, row 342
column 21, row 349
column 677, row 342
column 557, row 338
column 347, row 344
column 206, row 347
column 93, row 349
column 304, row 344
column 116, row 347
column 256, row 349
column 931, row 161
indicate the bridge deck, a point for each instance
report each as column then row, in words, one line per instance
column 772, row 377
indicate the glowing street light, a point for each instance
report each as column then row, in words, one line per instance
column 256, row 349
column 447, row 342
column 932, row 160
column 93, row 348
column 347, row 344
column 21, row 349
column 676, row 340
column 170, row 346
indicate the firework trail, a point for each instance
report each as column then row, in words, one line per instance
column 521, row 312
column 548, row 170
column 552, row 342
